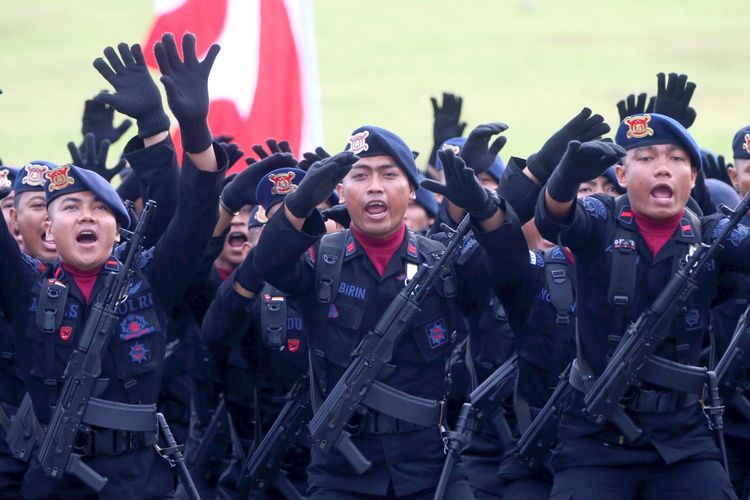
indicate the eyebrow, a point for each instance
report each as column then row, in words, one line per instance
column 376, row 167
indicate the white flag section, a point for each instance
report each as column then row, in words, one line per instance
column 264, row 82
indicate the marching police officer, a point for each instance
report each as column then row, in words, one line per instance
column 626, row 249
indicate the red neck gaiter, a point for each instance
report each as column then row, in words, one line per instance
column 223, row 273
column 380, row 250
column 656, row 232
column 84, row 279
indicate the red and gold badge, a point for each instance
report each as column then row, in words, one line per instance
column 282, row 183
column 638, row 126
column 59, row 178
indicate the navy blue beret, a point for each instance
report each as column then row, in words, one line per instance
column 257, row 218
column 741, row 143
column 650, row 129
column 722, row 193
column 456, row 143
column 31, row 176
column 612, row 177
column 370, row 140
column 7, row 178
column 274, row 186
column 68, row 179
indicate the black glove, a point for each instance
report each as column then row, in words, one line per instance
column 310, row 158
column 94, row 157
column 475, row 152
column 234, row 153
column 583, row 127
column 318, row 183
column 135, row 94
column 580, row 163
column 273, row 147
column 447, row 122
column 241, row 191
column 186, row 83
column 715, row 167
column 673, row 99
column 630, row 106
column 98, row 119
column 339, row 214
column 462, row 188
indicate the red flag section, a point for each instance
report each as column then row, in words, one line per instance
column 264, row 81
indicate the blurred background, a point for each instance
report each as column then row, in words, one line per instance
column 532, row 64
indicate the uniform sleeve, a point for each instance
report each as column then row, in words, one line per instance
column 584, row 228
column 202, row 288
column 17, row 273
column 279, row 253
column 518, row 190
column 735, row 253
column 227, row 317
column 179, row 251
column 500, row 257
column 157, row 172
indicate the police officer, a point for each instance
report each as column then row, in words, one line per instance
column 676, row 455
column 378, row 255
column 84, row 216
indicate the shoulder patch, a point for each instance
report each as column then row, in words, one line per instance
column 535, row 259
column 145, row 257
column 595, row 207
column 736, row 237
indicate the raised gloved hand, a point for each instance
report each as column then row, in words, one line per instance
column 93, row 156
column 583, row 127
column 273, row 147
column 673, row 99
column 715, row 167
column 135, row 94
column 630, row 106
column 234, row 153
column 476, row 153
column 310, row 158
column 241, row 191
column 186, row 83
column 462, row 188
column 447, row 122
column 98, row 119
column 318, row 183
column 338, row 214
column 580, row 163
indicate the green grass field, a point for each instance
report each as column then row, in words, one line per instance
column 529, row 63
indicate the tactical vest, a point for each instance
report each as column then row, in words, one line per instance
column 394, row 409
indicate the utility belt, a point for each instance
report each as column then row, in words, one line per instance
column 112, row 441
column 393, row 411
column 683, row 383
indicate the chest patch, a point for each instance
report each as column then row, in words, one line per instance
column 292, row 345
column 437, row 333
column 134, row 326
column 139, row 353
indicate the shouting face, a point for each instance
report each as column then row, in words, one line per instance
column 29, row 216
column 658, row 179
column 376, row 192
column 84, row 229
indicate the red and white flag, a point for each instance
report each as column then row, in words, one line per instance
column 264, row 82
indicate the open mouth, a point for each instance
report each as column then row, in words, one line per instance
column 86, row 237
column 236, row 239
column 376, row 209
column 662, row 192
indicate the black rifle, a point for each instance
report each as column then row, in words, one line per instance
column 196, row 456
column 487, row 399
column 262, row 469
column 733, row 364
column 82, row 383
column 541, row 436
column 173, row 456
column 454, row 443
column 372, row 354
column 485, row 403
column 646, row 334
